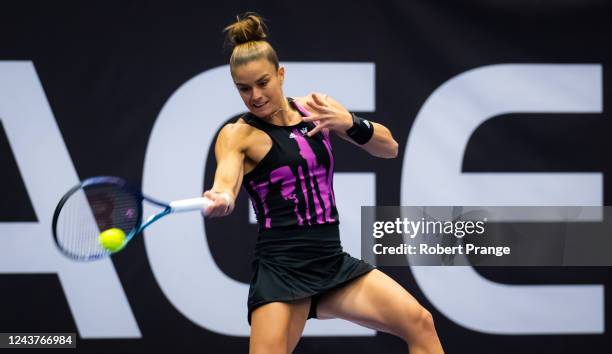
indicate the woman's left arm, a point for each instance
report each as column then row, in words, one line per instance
column 331, row 115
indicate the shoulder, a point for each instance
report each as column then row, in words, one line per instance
column 235, row 134
column 301, row 100
column 304, row 100
column 240, row 135
column 235, row 130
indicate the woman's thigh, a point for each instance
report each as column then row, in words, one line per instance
column 276, row 327
column 373, row 300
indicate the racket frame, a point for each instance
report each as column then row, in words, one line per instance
column 167, row 208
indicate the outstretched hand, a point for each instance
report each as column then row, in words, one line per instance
column 327, row 115
column 223, row 204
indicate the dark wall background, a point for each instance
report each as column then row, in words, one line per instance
column 107, row 69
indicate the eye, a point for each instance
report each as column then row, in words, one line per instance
column 243, row 89
column 263, row 83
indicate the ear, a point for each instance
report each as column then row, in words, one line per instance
column 281, row 74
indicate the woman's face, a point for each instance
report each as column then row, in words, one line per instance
column 261, row 86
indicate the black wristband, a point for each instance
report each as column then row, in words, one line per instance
column 361, row 131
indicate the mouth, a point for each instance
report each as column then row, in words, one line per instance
column 259, row 105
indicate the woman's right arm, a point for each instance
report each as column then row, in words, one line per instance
column 230, row 153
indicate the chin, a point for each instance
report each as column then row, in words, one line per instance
column 262, row 114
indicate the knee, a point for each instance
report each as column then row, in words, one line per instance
column 425, row 321
column 419, row 325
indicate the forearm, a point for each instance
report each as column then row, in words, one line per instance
column 227, row 181
column 382, row 143
column 224, row 191
column 228, row 175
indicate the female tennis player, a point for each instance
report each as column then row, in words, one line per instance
column 280, row 151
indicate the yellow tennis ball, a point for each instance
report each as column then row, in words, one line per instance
column 112, row 239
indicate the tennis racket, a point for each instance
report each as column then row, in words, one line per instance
column 100, row 215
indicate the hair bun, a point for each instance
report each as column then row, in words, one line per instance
column 248, row 27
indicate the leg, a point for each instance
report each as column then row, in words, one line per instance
column 276, row 327
column 299, row 315
column 377, row 301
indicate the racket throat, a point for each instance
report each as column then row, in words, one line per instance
column 152, row 219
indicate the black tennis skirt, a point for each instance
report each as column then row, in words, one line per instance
column 292, row 264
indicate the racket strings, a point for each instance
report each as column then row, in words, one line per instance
column 91, row 210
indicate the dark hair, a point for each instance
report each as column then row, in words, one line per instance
column 248, row 36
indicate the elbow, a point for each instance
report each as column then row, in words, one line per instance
column 393, row 150
column 388, row 152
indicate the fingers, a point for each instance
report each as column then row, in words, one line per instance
column 316, row 106
column 312, row 118
column 221, row 204
column 315, row 130
column 209, row 210
column 319, row 99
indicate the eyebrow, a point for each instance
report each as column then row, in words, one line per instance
column 264, row 76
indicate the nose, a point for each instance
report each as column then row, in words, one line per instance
column 256, row 94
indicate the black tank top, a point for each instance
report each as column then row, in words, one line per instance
column 292, row 186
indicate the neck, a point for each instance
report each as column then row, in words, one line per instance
column 285, row 115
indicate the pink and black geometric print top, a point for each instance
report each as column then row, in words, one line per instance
column 292, row 186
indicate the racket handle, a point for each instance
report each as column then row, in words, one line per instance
column 189, row 204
